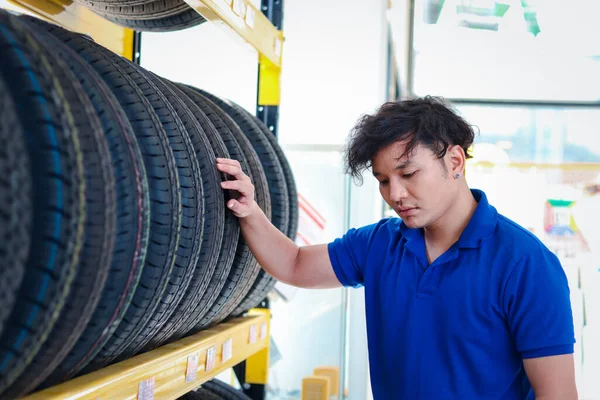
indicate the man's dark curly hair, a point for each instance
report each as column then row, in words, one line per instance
column 429, row 121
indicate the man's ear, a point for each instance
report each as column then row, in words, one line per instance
column 457, row 159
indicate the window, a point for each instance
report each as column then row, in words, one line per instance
column 532, row 50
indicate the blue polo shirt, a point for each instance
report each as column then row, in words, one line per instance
column 460, row 327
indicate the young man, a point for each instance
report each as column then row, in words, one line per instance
column 461, row 302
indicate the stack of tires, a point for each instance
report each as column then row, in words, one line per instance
column 114, row 235
column 215, row 390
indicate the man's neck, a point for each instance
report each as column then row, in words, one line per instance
column 447, row 230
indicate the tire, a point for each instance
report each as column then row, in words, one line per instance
column 147, row 16
column 278, row 192
column 287, row 172
column 167, row 152
column 196, row 304
column 15, row 203
column 240, row 281
column 58, row 197
column 133, row 210
column 198, row 212
column 139, row 10
column 224, row 391
column 163, row 186
column 265, row 282
column 201, row 394
column 186, row 19
column 100, row 221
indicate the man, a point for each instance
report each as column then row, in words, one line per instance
column 461, row 302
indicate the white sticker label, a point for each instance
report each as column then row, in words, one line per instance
column 250, row 17
column 227, row 349
column 146, row 389
column 191, row 371
column 263, row 331
column 239, row 7
column 211, row 354
column 253, row 334
column 277, row 47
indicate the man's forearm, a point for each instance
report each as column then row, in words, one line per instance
column 275, row 252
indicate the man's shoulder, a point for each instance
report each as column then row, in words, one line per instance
column 377, row 233
column 519, row 241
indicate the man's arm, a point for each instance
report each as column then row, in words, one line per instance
column 553, row 377
column 307, row 267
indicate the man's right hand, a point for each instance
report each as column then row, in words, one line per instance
column 244, row 205
column 307, row 266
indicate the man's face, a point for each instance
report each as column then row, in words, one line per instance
column 418, row 186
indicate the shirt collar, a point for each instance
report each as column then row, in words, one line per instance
column 481, row 225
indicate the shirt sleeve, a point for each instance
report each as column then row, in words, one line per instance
column 538, row 306
column 350, row 253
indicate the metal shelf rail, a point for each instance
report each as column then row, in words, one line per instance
column 174, row 369
column 77, row 18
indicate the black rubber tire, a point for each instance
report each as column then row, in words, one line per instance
column 195, row 303
column 201, row 394
column 58, row 197
column 100, row 221
column 158, row 131
column 278, row 192
column 225, row 391
column 287, row 172
column 133, row 211
column 15, row 203
column 245, row 267
column 138, row 10
column 178, row 19
column 206, row 180
column 264, row 283
column 165, row 206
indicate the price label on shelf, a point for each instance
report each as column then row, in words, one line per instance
column 191, row 372
column 227, row 349
column 211, row 358
column 239, row 7
column 263, row 331
column 277, row 47
column 146, row 389
column 250, row 17
column 253, row 334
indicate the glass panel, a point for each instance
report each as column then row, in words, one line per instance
column 539, row 50
column 540, row 167
column 307, row 327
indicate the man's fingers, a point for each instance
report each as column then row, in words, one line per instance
column 233, row 170
column 228, row 161
column 242, row 187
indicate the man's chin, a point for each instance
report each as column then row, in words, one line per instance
column 411, row 222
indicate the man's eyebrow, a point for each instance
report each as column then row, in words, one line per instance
column 404, row 164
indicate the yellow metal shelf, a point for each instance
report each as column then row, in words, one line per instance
column 77, row 18
column 247, row 21
column 174, row 369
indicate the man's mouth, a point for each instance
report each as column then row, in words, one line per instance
column 406, row 211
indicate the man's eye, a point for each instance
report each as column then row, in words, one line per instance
column 383, row 183
column 409, row 175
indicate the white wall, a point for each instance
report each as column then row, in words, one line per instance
column 207, row 57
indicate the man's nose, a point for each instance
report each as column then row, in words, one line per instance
column 398, row 192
